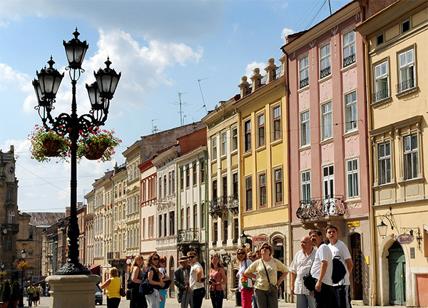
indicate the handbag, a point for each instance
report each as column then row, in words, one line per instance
column 309, row 281
column 339, row 270
column 145, row 287
column 272, row 288
column 129, row 294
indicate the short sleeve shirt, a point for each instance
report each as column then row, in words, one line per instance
column 192, row 279
column 340, row 250
column 323, row 253
column 244, row 265
column 301, row 266
column 273, row 266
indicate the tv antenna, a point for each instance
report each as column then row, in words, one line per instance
column 202, row 94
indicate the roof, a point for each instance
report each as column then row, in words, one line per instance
column 44, row 218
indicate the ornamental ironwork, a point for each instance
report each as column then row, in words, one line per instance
column 188, row 236
column 218, row 206
column 318, row 209
column 348, row 60
column 233, row 204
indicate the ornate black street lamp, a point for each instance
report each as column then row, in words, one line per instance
column 100, row 93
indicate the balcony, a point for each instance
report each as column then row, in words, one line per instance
column 325, row 72
column 188, row 236
column 110, row 255
column 348, row 60
column 315, row 210
column 405, row 85
column 233, row 204
column 218, row 206
column 304, row 83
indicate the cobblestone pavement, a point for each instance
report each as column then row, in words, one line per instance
column 46, row 302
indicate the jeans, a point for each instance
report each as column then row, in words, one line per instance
column 113, row 302
column 217, row 298
column 266, row 299
column 305, row 301
column 326, row 297
column 343, row 296
column 163, row 293
column 153, row 300
column 246, row 297
column 197, row 297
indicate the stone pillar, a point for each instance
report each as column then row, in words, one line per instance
column 73, row 291
column 244, row 86
column 271, row 70
column 256, row 79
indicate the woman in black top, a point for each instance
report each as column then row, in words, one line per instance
column 137, row 300
column 155, row 280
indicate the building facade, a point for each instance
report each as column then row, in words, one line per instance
column 328, row 136
column 148, row 208
column 396, row 42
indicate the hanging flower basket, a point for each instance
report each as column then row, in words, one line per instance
column 46, row 144
column 99, row 144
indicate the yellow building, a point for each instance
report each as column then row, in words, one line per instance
column 397, row 74
column 263, row 159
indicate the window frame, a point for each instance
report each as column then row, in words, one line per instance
column 376, row 78
column 306, row 123
column 305, row 184
column 400, row 88
column 352, row 45
column 278, row 184
column 223, row 143
column 326, row 71
column 248, row 193
column 305, row 81
column 261, row 129
column 262, row 189
column 234, row 138
column 411, row 152
column 385, row 158
column 323, row 115
column 348, row 106
column 352, row 173
column 275, row 120
column 214, row 148
column 247, row 136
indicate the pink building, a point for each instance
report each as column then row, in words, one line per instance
column 328, row 136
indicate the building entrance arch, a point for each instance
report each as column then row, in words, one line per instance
column 397, row 274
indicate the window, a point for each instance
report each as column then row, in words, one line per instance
column 164, row 186
column 247, row 135
column 304, row 128
column 306, row 185
column 261, row 130
column 151, row 227
column 352, row 178
column 169, row 183
column 194, row 173
column 182, row 177
column 381, row 81
column 384, row 162
column 234, row 138
column 187, row 176
column 379, row 39
column 203, row 205
column 160, row 225
column 351, row 111
column 262, row 190
column 235, row 186
column 248, row 193
column 182, row 219
column 348, row 48
column 278, row 185
column 328, row 182
column 326, row 121
column 215, row 234
column 165, row 225
column 213, row 148
column 188, row 217
column 405, row 26
column 171, row 223
column 214, row 190
column 325, row 61
column 202, row 171
column 223, row 149
column 410, row 151
column 276, row 117
column 406, row 77
column 160, row 187
column 235, row 230
column 304, row 72
column 195, row 216
column 173, row 181
column 224, row 188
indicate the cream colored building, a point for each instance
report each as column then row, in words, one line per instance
column 397, row 74
column 89, row 229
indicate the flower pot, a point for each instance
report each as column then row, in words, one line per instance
column 94, row 151
column 52, row 147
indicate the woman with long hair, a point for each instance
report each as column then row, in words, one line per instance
column 265, row 271
column 217, row 281
column 245, row 284
column 163, row 292
column 112, row 286
column 137, row 300
column 154, row 278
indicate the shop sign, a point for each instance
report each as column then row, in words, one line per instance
column 405, row 238
column 258, row 239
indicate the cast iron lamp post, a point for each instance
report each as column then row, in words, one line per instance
column 21, row 295
column 100, row 93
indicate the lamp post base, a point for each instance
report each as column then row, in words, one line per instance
column 73, row 269
column 71, row 291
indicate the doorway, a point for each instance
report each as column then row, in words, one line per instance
column 279, row 253
column 397, row 275
column 357, row 270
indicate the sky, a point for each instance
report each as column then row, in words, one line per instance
column 200, row 48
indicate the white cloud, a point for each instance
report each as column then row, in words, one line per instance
column 286, row 32
column 249, row 70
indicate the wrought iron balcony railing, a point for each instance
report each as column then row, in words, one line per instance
column 381, row 95
column 304, row 82
column 406, row 85
column 188, row 236
column 233, row 204
column 318, row 209
column 348, row 60
column 218, row 206
column 325, row 72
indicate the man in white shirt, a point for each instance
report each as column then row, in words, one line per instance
column 196, row 280
column 321, row 270
column 339, row 250
column 300, row 267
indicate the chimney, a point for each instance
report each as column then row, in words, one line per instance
column 271, row 70
column 256, row 79
column 244, row 86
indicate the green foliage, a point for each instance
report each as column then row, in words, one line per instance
column 98, row 141
column 47, row 143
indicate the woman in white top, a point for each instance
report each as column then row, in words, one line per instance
column 245, row 284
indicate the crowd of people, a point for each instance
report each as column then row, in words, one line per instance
column 319, row 277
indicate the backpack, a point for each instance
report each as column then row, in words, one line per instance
column 145, row 287
column 339, row 270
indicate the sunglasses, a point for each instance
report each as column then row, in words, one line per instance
column 241, row 253
column 191, row 257
column 155, row 259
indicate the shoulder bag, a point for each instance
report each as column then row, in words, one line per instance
column 272, row 288
column 308, row 280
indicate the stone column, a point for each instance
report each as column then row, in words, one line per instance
column 73, row 291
